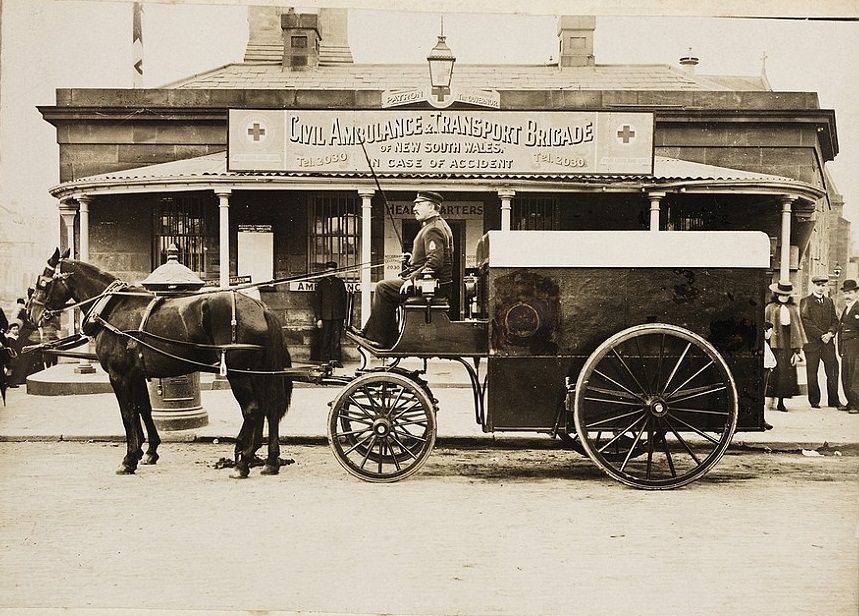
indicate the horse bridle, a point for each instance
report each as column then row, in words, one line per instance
column 45, row 286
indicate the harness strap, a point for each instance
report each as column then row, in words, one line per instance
column 233, row 325
column 146, row 314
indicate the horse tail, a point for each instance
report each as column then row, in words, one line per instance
column 278, row 387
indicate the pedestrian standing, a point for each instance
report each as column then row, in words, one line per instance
column 787, row 340
column 820, row 320
column 330, row 310
column 848, row 347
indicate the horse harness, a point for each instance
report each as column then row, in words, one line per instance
column 94, row 320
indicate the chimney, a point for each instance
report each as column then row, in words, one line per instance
column 265, row 37
column 576, row 38
column 300, row 40
column 688, row 63
column 333, row 27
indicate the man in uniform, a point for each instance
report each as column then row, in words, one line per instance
column 848, row 346
column 432, row 252
column 820, row 321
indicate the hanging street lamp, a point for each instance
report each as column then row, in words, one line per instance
column 440, row 62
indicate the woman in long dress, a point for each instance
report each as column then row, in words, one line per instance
column 787, row 340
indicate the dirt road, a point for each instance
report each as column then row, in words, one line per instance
column 475, row 532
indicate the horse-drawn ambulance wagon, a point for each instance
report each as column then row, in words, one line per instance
column 642, row 350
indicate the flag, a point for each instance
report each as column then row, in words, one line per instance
column 137, row 44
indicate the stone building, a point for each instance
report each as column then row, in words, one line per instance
column 261, row 170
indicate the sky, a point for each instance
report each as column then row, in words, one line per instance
column 87, row 43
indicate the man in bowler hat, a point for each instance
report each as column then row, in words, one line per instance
column 432, row 252
column 820, row 320
column 330, row 311
column 848, row 346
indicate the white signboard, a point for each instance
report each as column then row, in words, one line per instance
column 256, row 252
column 436, row 141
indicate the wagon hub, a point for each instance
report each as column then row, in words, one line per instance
column 382, row 427
column 658, row 407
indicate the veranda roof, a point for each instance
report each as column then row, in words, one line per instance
column 209, row 172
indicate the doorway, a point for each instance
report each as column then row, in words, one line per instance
column 410, row 230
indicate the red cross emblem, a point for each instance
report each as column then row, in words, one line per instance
column 626, row 134
column 257, row 131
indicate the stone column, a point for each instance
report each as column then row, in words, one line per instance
column 83, row 202
column 68, row 210
column 784, row 268
column 366, row 195
column 224, row 236
column 655, row 199
column 506, row 195
column 84, row 366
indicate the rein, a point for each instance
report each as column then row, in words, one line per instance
column 118, row 288
column 115, row 290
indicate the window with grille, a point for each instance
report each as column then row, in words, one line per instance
column 535, row 213
column 334, row 233
column 189, row 223
column 688, row 222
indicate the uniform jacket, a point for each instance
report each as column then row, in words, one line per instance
column 796, row 336
column 848, row 335
column 817, row 319
column 330, row 299
column 433, row 250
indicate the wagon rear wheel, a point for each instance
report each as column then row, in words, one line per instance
column 655, row 406
column 381, row 427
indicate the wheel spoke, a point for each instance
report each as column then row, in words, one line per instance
column 631, row 449
column 710, row 390
column 683, row 409
column 640, row 409
column 683, row 442
column 689, row 380
column 668, row 457
column 715, row 441
column 630, row 372
column 676, row 367
column 609, row 392
column 621, row 385
column 621, row 402
column 622, row 433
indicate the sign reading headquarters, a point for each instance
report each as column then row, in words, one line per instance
column 451, row 142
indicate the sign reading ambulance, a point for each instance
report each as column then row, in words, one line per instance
column 437, row 141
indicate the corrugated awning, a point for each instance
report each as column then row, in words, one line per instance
column 210, row 171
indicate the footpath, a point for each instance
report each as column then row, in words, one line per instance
column 78, row 416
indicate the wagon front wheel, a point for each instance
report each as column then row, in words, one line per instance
column 655, row 406
column 381, row 427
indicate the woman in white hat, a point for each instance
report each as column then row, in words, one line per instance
column 787, row 340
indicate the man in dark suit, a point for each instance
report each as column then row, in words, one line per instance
column 330, row 310
column 848, row 346
column 820, row 321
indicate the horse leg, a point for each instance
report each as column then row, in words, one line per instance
column 246, row 441
column 272, row 464
column 145, row 409
column 131, row 423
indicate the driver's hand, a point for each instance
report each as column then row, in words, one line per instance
column 407, row 287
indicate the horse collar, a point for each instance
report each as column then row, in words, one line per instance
column 90, row 324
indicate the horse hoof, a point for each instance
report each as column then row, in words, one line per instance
column 150, row 458
column 239, row 475
column 270, row 469
column 125, row 470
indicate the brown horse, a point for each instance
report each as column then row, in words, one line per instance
column 139, row 335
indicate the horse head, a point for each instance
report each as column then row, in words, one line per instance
column 51, row 291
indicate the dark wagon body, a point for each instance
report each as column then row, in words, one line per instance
column 642, row 350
